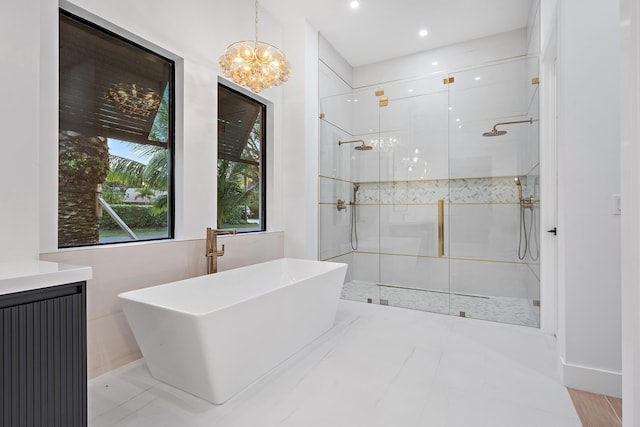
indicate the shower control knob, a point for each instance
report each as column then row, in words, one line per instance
column 553, row 231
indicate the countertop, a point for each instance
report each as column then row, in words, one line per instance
column 19, row 276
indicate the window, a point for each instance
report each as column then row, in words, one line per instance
column 115, row 154
column 241, row 162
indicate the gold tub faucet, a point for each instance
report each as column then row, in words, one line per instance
column 211, row 251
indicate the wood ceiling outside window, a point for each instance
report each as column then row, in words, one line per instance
column 90, row 63
column 237, row 115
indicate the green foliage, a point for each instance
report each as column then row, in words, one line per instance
column 160, row 129
column 112, row 196
column 154, row 175
column 232, row 197
column 144, row 193
column 147, row 179
column 135, row 216
column 160, row 204
column 125, row 172
column 82, row 166
column 239, row 183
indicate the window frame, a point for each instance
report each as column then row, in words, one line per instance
column 171, row 141
column 263, row 156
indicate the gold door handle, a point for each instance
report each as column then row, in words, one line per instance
column 440, row 228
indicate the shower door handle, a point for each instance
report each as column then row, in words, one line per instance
column 553, row 231
column 440, row 228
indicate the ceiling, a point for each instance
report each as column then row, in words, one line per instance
column 383, row 29
column 93, row 63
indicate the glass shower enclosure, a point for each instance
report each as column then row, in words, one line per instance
column 421, row 199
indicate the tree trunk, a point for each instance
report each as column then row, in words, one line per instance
column 83, row 165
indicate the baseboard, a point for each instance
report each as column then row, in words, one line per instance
column 591, row 379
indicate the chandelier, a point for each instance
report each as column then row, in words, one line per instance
column 255, row 64
column 133, row 100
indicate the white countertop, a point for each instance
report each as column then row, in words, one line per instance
column 19, row 276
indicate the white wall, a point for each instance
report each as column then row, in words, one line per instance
column 20, row 118
column 630, row 165
column 300, row 141
column 588, row 176
column 447, row 59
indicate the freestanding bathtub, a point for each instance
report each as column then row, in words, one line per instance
column 214, row 335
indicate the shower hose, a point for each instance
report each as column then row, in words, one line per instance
column 526, row 236
column 354, row 227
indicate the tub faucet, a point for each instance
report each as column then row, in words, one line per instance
column 211, row 251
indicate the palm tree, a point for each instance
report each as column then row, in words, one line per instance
column 238, row 181
column 151, row 177
column 232, row 197
column 144, row 193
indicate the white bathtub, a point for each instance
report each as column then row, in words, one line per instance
column 214, row 335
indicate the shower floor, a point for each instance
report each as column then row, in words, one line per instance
column 517, row 311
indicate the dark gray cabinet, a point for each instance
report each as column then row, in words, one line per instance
column 43, row 365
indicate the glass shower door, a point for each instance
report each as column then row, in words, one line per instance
column 413, row 169
column 493, row 237
column 349, row 190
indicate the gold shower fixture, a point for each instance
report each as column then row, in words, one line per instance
column 362, row 147
column 496, row 132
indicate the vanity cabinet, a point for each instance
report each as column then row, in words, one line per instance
column 43, row 362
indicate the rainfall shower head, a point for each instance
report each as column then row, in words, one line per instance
column 362, row 147
column 496, row 132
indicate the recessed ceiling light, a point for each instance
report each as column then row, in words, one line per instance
column 434, row 63
column 477, row 78
column 354, row 4
column 423, row 33
column 410, row 90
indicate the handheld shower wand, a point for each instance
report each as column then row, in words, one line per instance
column 524, row 242
column 517, row 181
column 354, row 225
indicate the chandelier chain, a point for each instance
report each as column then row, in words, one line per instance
column 256, row 21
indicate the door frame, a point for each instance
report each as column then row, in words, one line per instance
column 549, row 290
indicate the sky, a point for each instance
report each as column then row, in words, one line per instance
column 121, row 149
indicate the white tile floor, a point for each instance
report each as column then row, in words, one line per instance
column 378, row 366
